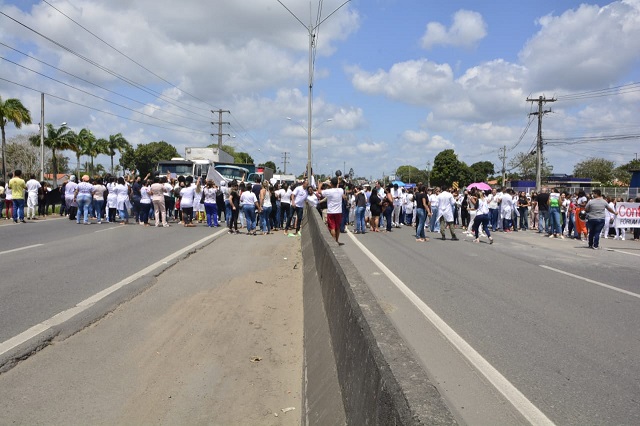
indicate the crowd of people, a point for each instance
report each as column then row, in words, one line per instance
column 186, row 201
column 552, row 213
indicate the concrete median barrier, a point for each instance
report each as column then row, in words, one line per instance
column 357, row 368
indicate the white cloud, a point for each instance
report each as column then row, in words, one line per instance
column 588, row 47
column 417, row 82
column 372, row 148
column 467, row 29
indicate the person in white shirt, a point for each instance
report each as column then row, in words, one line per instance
column 112, row 200
column 33, row 186
column 434, row 225
column 98, row 199
column 506, row 210
column 249, row 204
column 481, row 217
column 398, row 196
column 298, row 198
column 169, row 200
column 188, row 200
column 69, row 197
column 334, row 197
column 445, row 214
column 145, row 202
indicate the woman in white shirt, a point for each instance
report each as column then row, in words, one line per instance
column 187, row 201
column 210, row 206
column 249, row 203
column 145, row 202
column 98, row 199
column 481, row 216
column 122, row 200
column 265, row 207
column 112, row 204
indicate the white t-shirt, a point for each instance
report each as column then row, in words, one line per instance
column 145, row 195
column 334, row 199
column 248, row 198
column 313, row 200
column 187, row 195
column 300, row 195
column 70, row 189
column 32, row 187
column 397, row 195
column 433, row 201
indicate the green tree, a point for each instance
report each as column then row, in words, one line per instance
column 238, row 156
column 21, row 154
column 56, row 139
column 623, row 172
column 145, row 157
column 11, row 111
column 92, row 147
column 116, row 143
column 598, row 169
column 481, row 170
column 524, row 164
column 411, row 174
column 271, row 165
column 448, row 169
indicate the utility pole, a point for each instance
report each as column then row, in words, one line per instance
column 285, row 161
column 220, row 123
column 541, row 101
column 503, row 158
column 42, row 140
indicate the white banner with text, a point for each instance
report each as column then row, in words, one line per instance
column 628, row 215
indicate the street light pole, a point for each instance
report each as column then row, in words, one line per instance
column 311, row 29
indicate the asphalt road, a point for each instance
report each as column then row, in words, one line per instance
column 49, row 266
column 565, row 348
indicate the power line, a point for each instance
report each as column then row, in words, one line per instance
column 94, row 84
column 126, row 56
column 193, row 131
column 93, row 95
column 612, row 91
column 107, row 70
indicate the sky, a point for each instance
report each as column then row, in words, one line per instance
column 395, row 82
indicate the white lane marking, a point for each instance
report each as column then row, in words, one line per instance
column 111, row 228
column 610, row 287
column 20, row 249
column 502, row 385
column 625, row 252
column 63, row 316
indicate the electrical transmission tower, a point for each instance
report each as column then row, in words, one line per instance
column 220, row 123
column 285, row 161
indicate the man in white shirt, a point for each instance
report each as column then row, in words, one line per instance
column 33, row 186
column 298, row 198
column 334, row 197
column 446, row 203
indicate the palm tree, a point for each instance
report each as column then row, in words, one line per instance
column 75, row 146
column 116, row 143
column 55, row 140
column 93, row 147
column 11, row 111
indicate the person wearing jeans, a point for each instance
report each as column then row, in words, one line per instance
column 422, row 207
column 82, row 197
column 17, row 186
column 361, row 206
column 249, row 203
column 595, row 209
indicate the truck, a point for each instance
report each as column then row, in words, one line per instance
column 196, row 162
column 238, row 172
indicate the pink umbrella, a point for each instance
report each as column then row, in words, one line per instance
column 480, row 185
